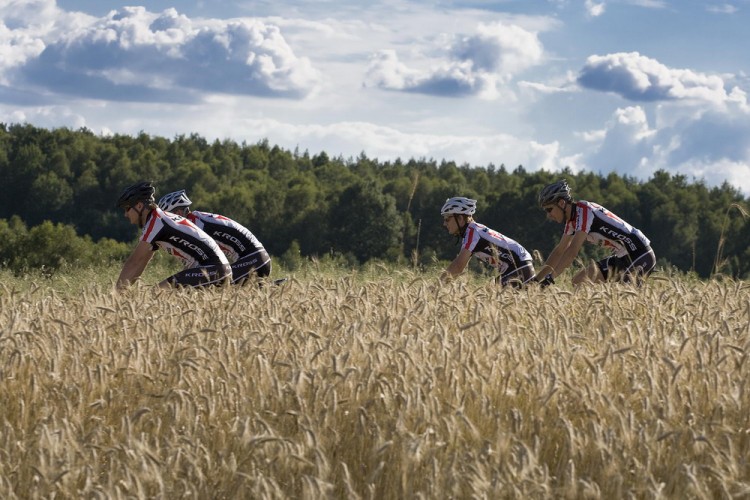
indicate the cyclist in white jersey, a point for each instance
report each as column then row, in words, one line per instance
column 203, row 261
column 246, row 254
column 511, row 259
column 632, row 258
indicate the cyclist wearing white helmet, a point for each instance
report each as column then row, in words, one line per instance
column 511, row 259
column 204, row 262
column 632, row 257
column 241, row 247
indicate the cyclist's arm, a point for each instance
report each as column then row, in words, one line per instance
column 135, row 264
column 552, row 264
column 457, row 266
column 564, row 253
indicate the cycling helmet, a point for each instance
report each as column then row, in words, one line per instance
column 459, row 205
column 178, row 199
column 553, row 192
column 143, row 191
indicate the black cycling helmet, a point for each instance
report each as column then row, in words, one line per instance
column 553, row 192
column 143, row 191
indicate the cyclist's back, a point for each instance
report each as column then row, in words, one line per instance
column 242, row 248
column 494, row 248
column 203, row 261
column 606, row 229
column 181, row 238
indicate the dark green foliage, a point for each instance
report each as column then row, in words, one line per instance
column 359, row 209
column 49, row 247
column 365, row 223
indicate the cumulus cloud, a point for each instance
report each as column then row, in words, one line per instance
column 29, row 13
column 639, row 78
column 711, row 146
column 473, row 65
column 16, row 48
column 626, row 143
column 456, row 79
column 136, row 55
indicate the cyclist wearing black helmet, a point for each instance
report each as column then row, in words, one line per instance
column 632, row 257
column 203, row 260
column 241, row 247
column 510, row 258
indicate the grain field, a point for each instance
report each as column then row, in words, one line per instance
column 392, row 388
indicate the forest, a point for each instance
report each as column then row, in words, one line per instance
column 60, row 187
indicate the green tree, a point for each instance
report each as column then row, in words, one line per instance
column 365, row 223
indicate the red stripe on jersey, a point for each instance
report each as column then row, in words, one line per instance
column 151, row 223
column 179, row 254
column 584, row 217
column 469, row 238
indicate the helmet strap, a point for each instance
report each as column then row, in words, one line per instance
column 461, row 230
column 141, row 222
column 569, row 204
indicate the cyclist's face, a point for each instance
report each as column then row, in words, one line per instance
column 450, row 222
column 554, row 212
column 131, row 213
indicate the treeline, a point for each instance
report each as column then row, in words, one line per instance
column 357, row 208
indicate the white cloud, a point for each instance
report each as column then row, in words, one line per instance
column 626, row 144
column 594, row 9
column 709, row 145
column 29, row 13
column 455, row 79
column 44, row 116
column 499, row 48
column 722, row 9
column 16, row 47
column 474, row 65
column 651, row 4
column 639, row 78
column 736, row 173
column 388, row 143
column 136, row 55
column 561, row 84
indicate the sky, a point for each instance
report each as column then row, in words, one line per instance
column 625, row 86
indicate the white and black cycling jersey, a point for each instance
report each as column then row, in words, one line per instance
column 604, row 228
column 183, row 239
column 234, row 239
column 495, row 249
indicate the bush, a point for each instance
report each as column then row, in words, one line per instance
column 48, row 247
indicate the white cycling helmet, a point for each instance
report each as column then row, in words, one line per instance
column 170, row 201
column 459, row 205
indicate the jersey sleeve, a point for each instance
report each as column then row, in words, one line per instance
column 150, row 230
column 584, row 218
column 471, row 238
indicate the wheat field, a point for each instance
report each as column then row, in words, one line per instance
column 385, row 388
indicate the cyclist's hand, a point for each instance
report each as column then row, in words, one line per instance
column 546, row 281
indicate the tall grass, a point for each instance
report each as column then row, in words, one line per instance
column 334, row 386
column 719, row 261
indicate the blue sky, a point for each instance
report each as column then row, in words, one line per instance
column 629, row 86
